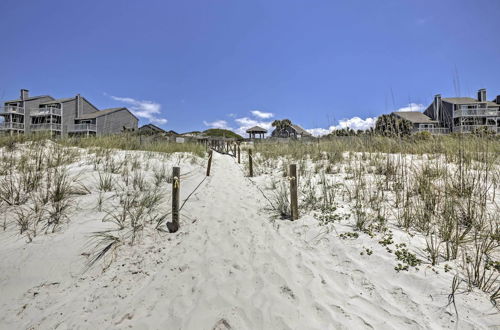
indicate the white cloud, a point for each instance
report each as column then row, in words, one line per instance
column 355, row 123
column 319, row 131
column 143, row 109
column 412, row 107
column 246, row 122
column 217, row 124
column 263, row 115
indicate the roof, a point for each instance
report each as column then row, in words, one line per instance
column 172, row 132
column 300, row 130
column 414, row 116
column 30, row 98
column 257, row 129
column 67, row 99
column 102, row 113
column 153, row 127
column 466, row 100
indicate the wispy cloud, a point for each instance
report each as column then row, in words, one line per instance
column 262, row 115
column 217, row 124
column 148, row 110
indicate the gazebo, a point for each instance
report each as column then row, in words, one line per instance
column 256, row 130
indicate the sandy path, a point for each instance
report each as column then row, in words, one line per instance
column 231, row 267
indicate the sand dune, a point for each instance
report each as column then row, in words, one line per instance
column 230, row 266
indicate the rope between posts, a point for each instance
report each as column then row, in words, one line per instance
column 199, row 184
column 256, row 186
column 260, row 164
column 187, row 198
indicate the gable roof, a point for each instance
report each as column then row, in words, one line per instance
column 466, row 100
column 257, row 129
column 30, row 98
column 414, row 116
column 153, row 127
column 300, row 130
column 104, row 112
column 66, row 99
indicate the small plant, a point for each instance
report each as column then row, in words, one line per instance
column 351, row 235
column 387, row 239
column 281, row 202
column 105, row 182
column 367, row 251
column 407, row 258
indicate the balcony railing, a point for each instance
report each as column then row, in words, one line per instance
column 45, row 112
column 12, row 109
column 45, row 127
column 472, row 128
column 435, row 130
column 10, row 125
column 475, row 112
column 83, row 128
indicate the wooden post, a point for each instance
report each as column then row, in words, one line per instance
column 210, row 153
column 250, row 162
column 294, row 205
column 176, row 185
column 239, row 152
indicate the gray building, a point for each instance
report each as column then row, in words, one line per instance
column 466, row 114
column 68, row 116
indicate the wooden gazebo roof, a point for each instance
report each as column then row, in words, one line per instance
column 256, row 129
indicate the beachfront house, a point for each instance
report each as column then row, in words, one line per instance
column 466, row 114
column 62, row 117
column 285, row 129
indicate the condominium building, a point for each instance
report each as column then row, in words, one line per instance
column 466, row 114
column 67, row 116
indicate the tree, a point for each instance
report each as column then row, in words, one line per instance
column 281, row 125
column 390, row 125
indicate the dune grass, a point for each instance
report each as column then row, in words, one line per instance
column 444, row 189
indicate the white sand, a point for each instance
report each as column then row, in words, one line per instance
column 229, row 267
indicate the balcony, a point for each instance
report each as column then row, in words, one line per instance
column 484, row 112
column 45, row 112
column 11, row 126
column 435, row 130
column 77, row 128
column 45, row 127
column 11, row 109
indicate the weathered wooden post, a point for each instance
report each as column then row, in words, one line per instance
column 234, row 149
column 210, row 153
column 250, row 162
column 176, row 185
column 239, row 152
column 294, row 205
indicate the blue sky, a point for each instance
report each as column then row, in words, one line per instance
column 189, row 65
